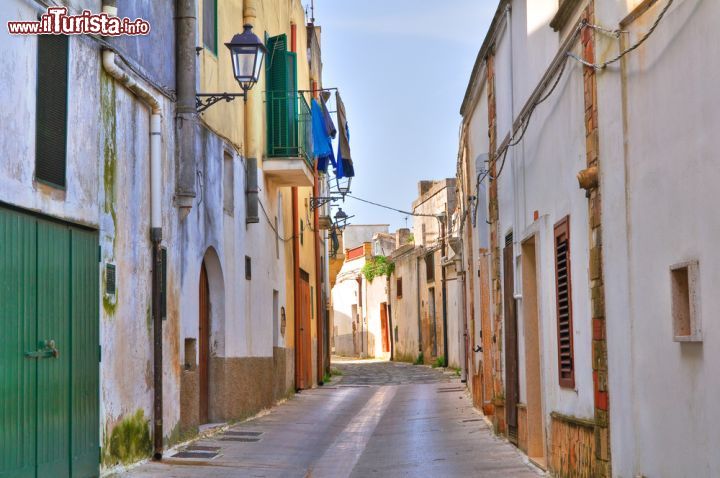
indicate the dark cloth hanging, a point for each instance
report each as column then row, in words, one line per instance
column 329, row 125
column 322, row 140
column 345, row 168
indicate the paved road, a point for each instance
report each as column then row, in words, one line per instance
column 379, row 420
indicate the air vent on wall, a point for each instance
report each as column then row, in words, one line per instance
column 110, row 279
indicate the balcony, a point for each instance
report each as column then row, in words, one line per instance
column 289, row 158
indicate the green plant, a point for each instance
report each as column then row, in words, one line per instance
column 326, row 378
column 335, row 371
column 420, row 359
column 376, row 267
column 439, row 362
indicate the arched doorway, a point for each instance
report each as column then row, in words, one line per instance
column 204, row 346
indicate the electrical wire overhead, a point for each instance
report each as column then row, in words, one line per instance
column 407, row 213
column 502, row 152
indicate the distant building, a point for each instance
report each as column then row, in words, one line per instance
column 424, row 307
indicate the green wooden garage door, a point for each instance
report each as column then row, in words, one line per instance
column 49, row 375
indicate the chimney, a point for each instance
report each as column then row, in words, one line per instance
column 402, row 237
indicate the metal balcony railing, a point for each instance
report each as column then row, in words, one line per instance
column 289, row 126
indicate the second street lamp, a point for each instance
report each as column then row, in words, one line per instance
column 246, row 53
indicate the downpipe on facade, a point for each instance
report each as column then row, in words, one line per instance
column 443, row 254
column 153, row 102
column 185, row 109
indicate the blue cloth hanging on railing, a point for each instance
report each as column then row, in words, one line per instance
column 322, row 139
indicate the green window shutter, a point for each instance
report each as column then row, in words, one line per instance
column 282, row 114
column 51, row 109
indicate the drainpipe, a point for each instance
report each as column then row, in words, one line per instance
column 185, row 111
column 390, row 322
column 251, row 149
column 513, row 165
column 443, row 253
column 462, row 311
column 152, row 101
column 419, row 312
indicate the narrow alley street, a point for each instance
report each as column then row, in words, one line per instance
column 376, row 419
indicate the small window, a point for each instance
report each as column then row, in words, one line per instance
column 302, row 232
column 228, row 184
column 399, row 288
column 684, row 280
column 51, row 110
column 563, row 290
column 210, row 25
column 248, row 268
column 190, row 353
column 430, row 267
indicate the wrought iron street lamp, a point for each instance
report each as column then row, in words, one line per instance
column 341, row 219
column 246, row 53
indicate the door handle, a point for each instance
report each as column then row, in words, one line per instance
column 47, row 350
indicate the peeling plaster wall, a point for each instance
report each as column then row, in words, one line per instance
column 18, row 75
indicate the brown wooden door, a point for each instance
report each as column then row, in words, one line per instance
column 512, row 386
column 204, row 345
column 303, row 366
column 384, row 327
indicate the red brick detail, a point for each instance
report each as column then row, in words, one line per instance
column 597, row 290
column 598, row 329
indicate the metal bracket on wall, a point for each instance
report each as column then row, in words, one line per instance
column 316, row 202
column 204, row 101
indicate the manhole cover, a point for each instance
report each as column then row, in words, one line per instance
column 241, row 439
column 202, row 448
column 206, row 455
column 444, row 390
column 243, row 433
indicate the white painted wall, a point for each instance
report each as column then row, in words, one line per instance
column 355, row 235
column 374, row 296
column 405, row 308
column 661, row 212
column 345, row 294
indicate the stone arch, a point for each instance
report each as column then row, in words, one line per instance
column 216, row 283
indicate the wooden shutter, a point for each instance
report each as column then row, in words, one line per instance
column 282, row 100
column 399, row 288
column 563, row 287
column 430, row 267
column 51, row 109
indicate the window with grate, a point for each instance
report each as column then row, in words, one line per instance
column 210, row 25
column 430, row 267
column 398, row 289
column 566, row 361
column 51, row 109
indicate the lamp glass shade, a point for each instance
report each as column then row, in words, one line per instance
column 247, row 53
column 246, row 62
